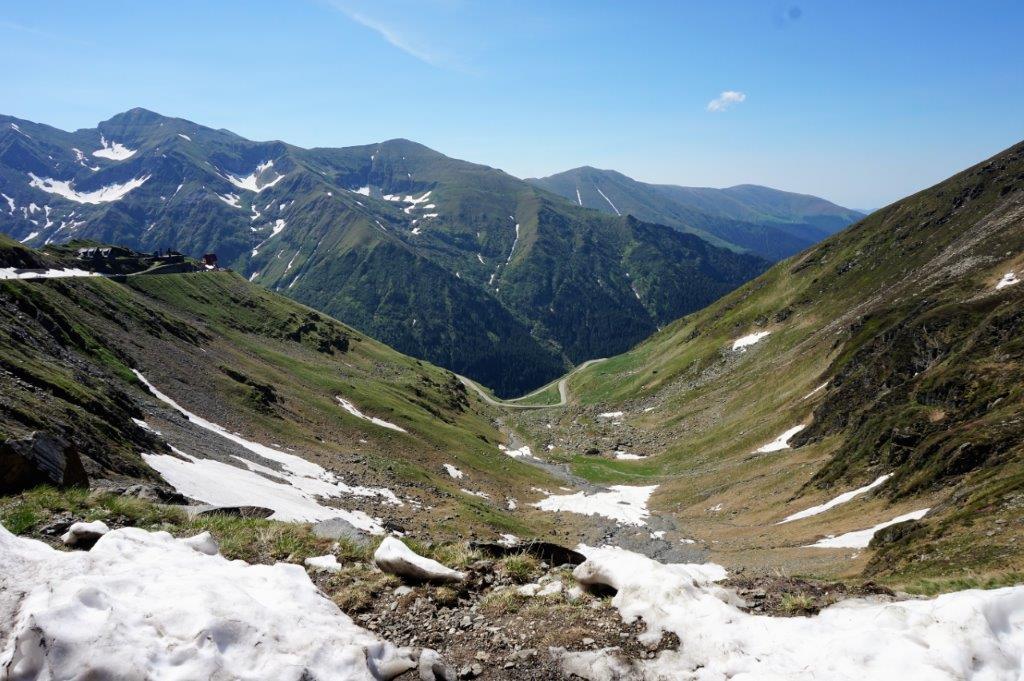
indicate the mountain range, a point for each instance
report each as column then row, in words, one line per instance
column 454, row 262
column 768, row 222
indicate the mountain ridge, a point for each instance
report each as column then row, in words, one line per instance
column 448, row 260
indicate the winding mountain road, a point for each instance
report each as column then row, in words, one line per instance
column 563, row 390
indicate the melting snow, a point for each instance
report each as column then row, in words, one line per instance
column 115, row 151
column 1009, row 279
column 453, row 472
column 626, row 456
column 861, row 538
column 230, row 199
column 781, row 442
column 523, row 451
column 304, row 479
column 623, row 504
column 611, row 415
column 144, row 604
column 607, row 199
column 251, row 182
column 106, row 194
column 365, row 191
column 351, row 408
column 815, row 391
column 184, row 136
column 966, row 635
column 17, row 273
column 742, row 344
column 579, row 199
column 841, row 499
column 11, row 206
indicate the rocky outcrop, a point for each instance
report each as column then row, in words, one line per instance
column 40, row 459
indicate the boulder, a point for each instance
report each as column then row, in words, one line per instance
column 84, row 535
column 339, row 528
column 40, row 459
column 394, row 557
column 433, row 668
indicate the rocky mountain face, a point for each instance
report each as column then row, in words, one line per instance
column 767, row 222
column 446, row 260
column 873, row 379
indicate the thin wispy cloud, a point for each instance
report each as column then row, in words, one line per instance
column 726, row 100
column 396, row 37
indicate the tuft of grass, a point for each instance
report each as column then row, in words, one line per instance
column 445, row 596
column 20, row 519
column 797, row 604
column 936, row 586
column 520, row 567
column 502, row 601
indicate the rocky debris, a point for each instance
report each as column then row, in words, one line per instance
column 485, row 629
column 395, row 558
column 84, row 535
column 236, row 511
column 792, row 596
column 542, row 550
column 39, row 459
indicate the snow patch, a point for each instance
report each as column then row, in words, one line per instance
column 115, row 151
column 623, row 504
column 351, row 408
column 781, row 442
column 251, row 182
column 607, row 199
column 522, row 452
column 113, row 192
column 743, row 343
column 453, row 472
column 860, row 539
column 1009, row 279
column 841, row 499
column 17, row 273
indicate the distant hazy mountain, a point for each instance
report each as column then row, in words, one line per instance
column 771, row 223
column 450, row 261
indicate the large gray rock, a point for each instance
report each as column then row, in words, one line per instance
column 40, row 459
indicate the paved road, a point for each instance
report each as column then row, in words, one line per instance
column 563, row 391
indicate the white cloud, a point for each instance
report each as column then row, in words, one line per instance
column 393, row 36
column 725, row 100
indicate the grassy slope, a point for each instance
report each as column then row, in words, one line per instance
column 900, row 313
column 71, row 344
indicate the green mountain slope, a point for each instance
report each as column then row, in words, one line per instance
column 450, row 261
column 768, row 222
column 257, row 363
column 896, row 344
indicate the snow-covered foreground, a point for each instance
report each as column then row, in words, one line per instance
column 969, row 635
column 293, row 492
column 860, row 539
column 832, row 503
column 16, row 273
column 621, row 503
column 142, row 605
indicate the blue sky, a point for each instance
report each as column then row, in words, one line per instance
column 859, row 102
